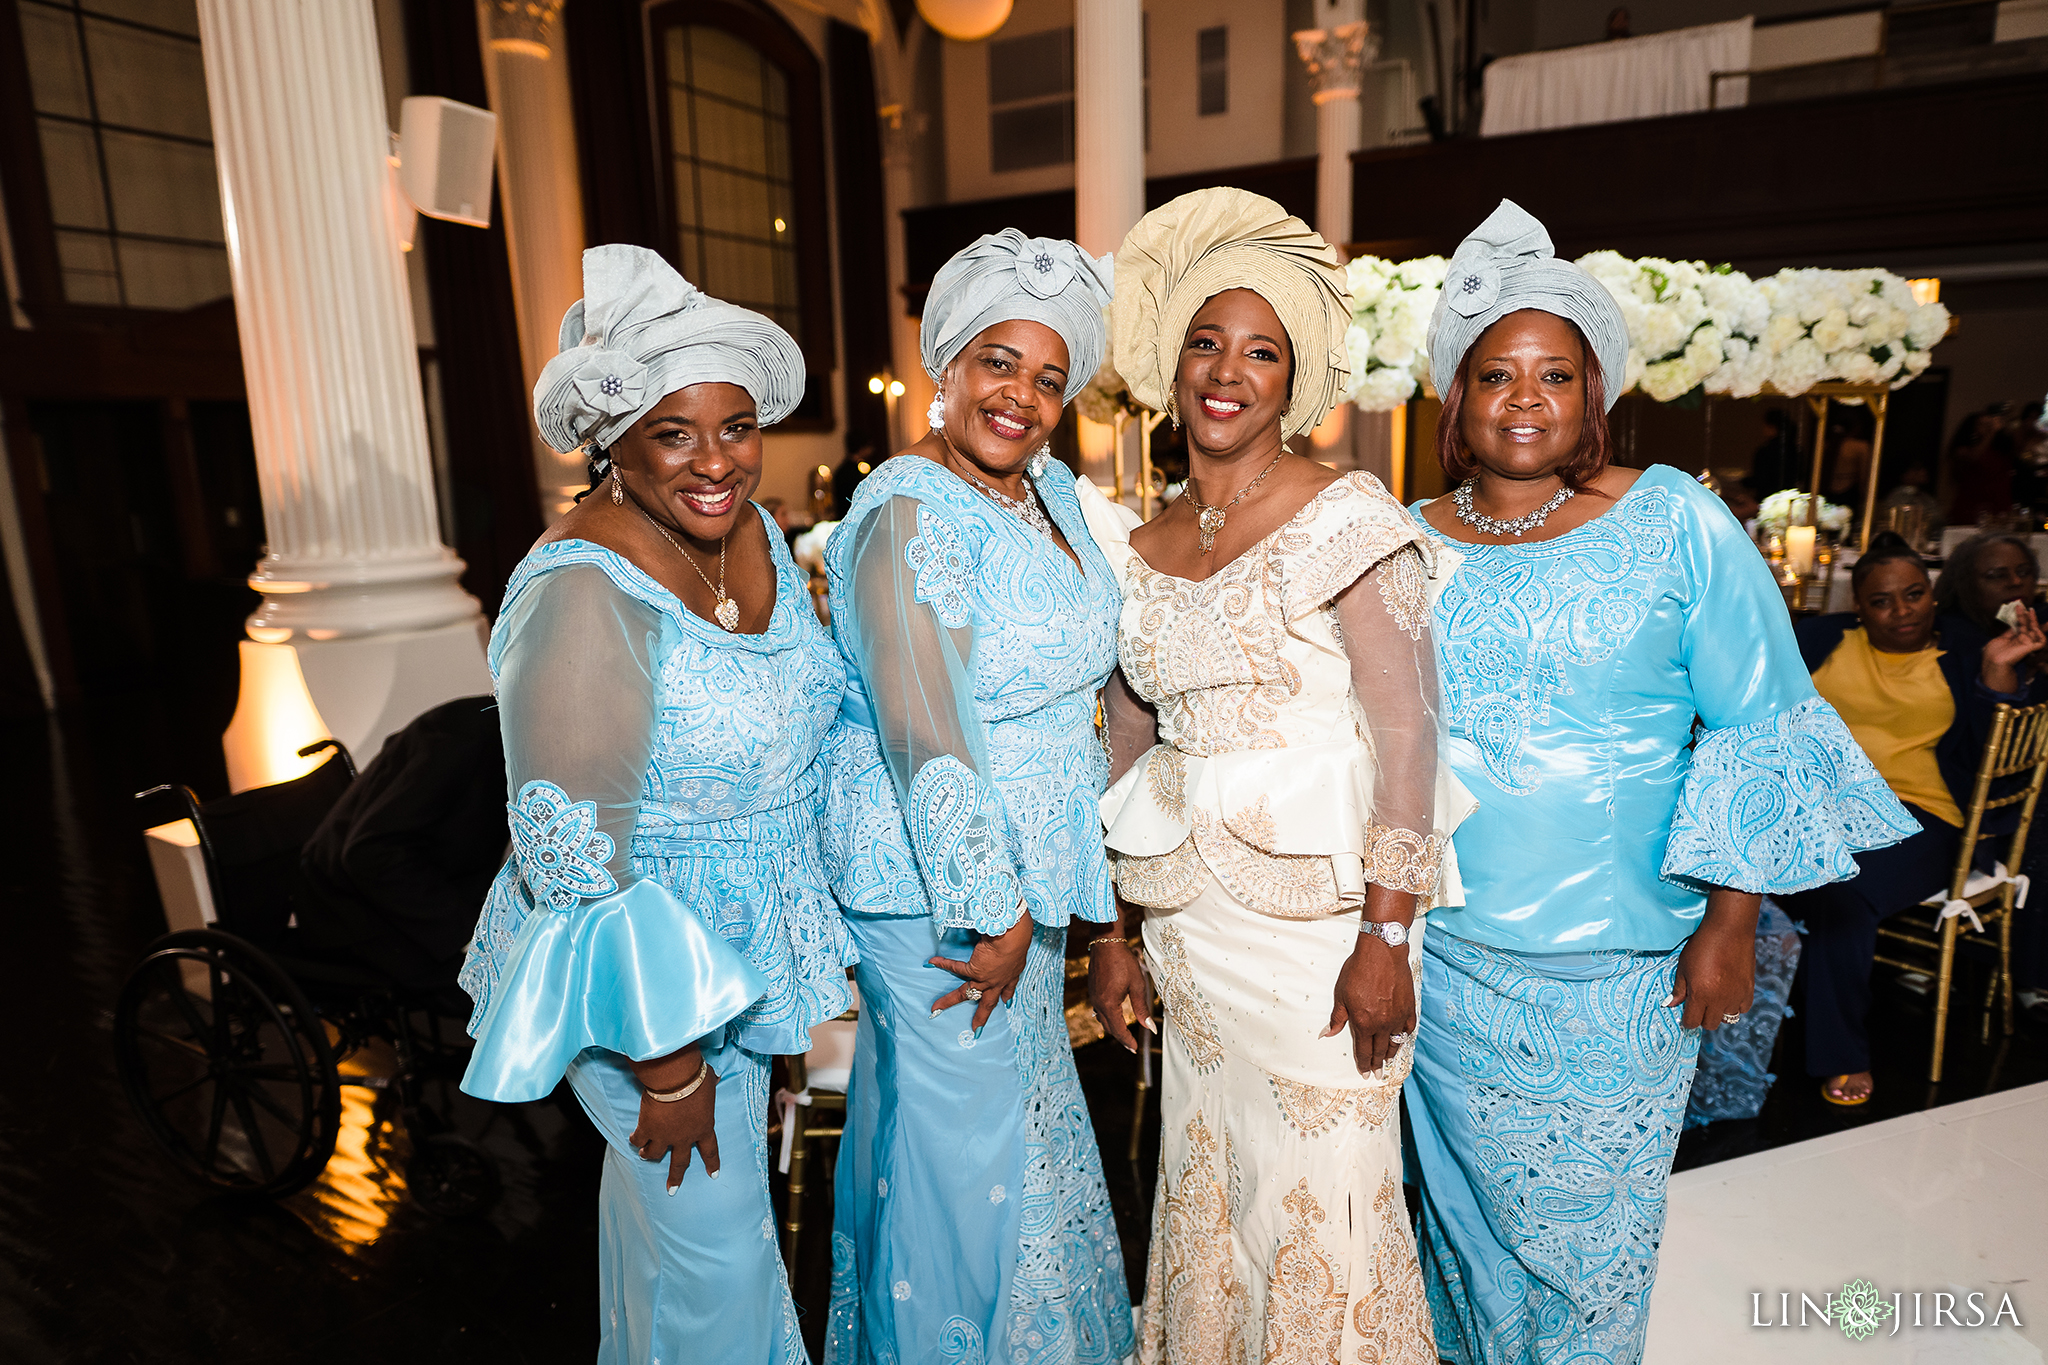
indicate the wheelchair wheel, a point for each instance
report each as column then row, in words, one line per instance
column 227, row 1064
column 452, row 1177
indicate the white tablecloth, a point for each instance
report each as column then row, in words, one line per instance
column 1628, row 78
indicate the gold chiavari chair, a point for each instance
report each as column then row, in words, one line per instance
column 1978, row 905
column 817, row 1088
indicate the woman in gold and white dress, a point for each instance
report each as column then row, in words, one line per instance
column 1279, row 809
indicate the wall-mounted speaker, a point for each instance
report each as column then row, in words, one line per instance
column 446, row 153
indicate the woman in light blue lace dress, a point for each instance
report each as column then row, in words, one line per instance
column 1626, row 701
column 663, row 927
column 977, row 619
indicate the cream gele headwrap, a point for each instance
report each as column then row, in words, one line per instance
column 1506, row 265
column 639, row 333
column 1008, row 277
column 1182, row 254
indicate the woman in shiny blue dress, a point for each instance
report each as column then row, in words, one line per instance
column 663, row 927
column 977, row 620
column 1626, row 702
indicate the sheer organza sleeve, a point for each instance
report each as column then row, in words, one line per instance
column 1129, row 726
column 1384, row 620
column 574, row 950
column 911, row 632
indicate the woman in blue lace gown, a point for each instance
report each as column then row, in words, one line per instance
column 1625, row 699
column 977, row 620
column 663, row 927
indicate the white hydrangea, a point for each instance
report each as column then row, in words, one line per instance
column 1391, row 304
column 1690, row 325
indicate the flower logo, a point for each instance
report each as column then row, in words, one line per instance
column 1859, row 1310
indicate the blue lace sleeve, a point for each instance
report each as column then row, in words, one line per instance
column 1780, row 805
column 907, row 622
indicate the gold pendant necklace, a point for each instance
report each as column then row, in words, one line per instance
column 727, row 611
column 1209, row 520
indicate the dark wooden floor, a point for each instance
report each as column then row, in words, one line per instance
column 107, row 1255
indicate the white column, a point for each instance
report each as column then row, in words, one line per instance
column 540, row 191
column 355, row 578
column 1336, row 58
column 1109, row 121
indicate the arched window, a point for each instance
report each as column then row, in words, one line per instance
column 741, row 146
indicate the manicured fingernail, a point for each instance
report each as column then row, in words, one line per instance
column 1671, row 999
column 714, row 1175
column 672, row 1190
column 936, row 1013
column 1150, row 1025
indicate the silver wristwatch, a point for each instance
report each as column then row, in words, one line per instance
column 1391, row 932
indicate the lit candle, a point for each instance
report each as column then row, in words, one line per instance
column 1799, row 549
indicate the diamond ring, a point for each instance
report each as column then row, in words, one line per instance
column 972, row 992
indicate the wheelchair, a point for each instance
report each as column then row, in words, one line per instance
column 231, row 1040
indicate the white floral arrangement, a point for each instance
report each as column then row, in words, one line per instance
column 1775, row 513
column 1387, row 341
column 1690, row 326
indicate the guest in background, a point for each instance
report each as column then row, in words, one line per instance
column 860, row 462
column 1982, row 575
column 978, row 622
column 1623, row 694
column 1981, row 464
column 1776, row 464
column 1911, row 505
column 1922, row 714
column 1743, row 501
column 663, row 928
column 1848, row 464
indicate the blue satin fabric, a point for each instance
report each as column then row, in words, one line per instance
column 1545, row 1106
column 693, row 1278
column 666, row 888
column 630, row 973
column 1573, row 672
column 971, row 1222
column 701, row 829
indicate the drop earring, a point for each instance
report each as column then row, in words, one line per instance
column 935, row 415
column 1040, row 458
column 618, row 487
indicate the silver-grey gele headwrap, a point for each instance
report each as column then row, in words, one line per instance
column 1007, row 277
column 640, row 332
column 1506, row 265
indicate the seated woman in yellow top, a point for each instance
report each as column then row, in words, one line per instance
column 1922, row 716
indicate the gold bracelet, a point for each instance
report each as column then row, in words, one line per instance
column 703, row 1070
column 1109, row 938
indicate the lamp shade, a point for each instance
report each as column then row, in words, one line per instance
column 964, row 21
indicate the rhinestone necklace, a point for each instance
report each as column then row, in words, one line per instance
column 1522, row 525
column 1210, row 519
column 727, row 610
column 1026, row 509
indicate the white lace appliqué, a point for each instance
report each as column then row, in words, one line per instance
column 561, row 854
column 1780, row 805
column 939, row 556
column 955, row 818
